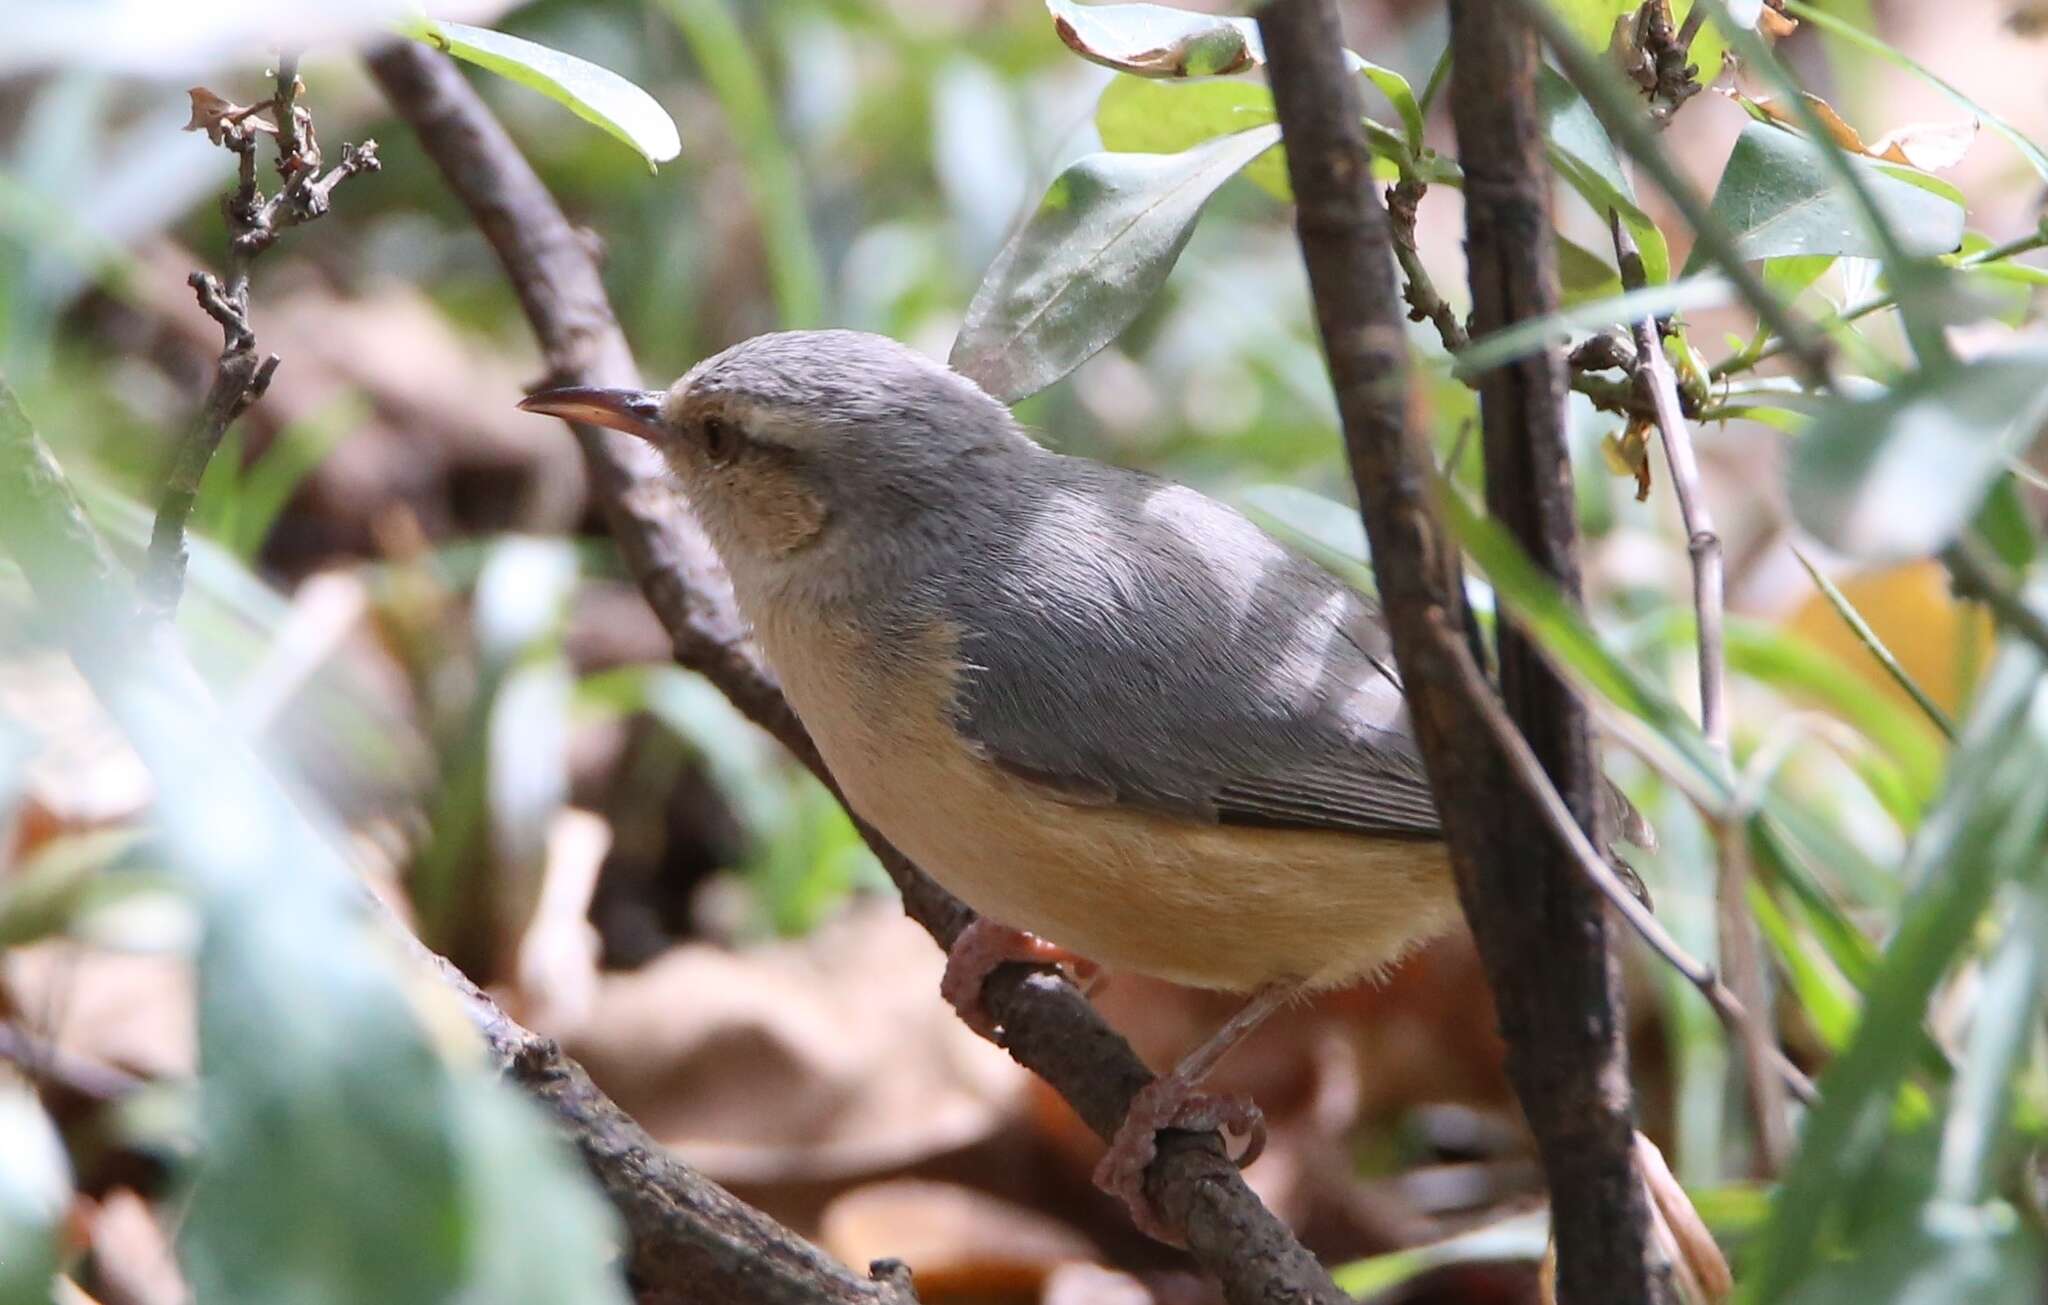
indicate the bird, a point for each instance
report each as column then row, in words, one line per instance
column 1131, row 729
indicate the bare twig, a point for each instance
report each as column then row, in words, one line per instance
column 1980, row 575
column 1741, row 950
column 1048, row 1025
column 254, row 223
column 1419, row 289
column 693, row 1242
column 1557, row 817
column 1667, row 75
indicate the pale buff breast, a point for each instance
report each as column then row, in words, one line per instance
column 1215, row 906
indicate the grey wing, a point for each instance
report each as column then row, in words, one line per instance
column 1132, row 642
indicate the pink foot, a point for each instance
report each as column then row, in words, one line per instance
column 1170, row 1102
column 982, row 947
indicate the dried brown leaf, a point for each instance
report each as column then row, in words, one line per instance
column 1928, row 146
column 1698, row 1267
column 214, row 113
column 957, row 1241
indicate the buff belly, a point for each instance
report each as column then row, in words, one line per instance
column 1226, row 907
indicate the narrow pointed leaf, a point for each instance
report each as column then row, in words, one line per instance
column 597, row 95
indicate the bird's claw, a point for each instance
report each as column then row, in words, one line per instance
column 983, row 946
column 1162, row 1104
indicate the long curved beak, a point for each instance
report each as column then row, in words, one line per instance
column 636, row 412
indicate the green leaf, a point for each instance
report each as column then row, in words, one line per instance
column 1140, row 116
column 1935, row 1255
column 1583, row 275
column 2006, row 1010
column 35, row 1195
column 1987, row 830
column 597, row 95
column 1827, row 22
column 1778, row 196
column 1399, row 94
column 1583, row 155
column 1157, row 41
column 1089, row 260
column 1896, row 476
column 1776, row 656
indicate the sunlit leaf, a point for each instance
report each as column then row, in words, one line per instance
column 1778, row 196
column 597, row 95
column 1896, row 476
column 1089, row 260
column 1140, row 116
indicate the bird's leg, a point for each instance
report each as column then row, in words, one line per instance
column 984, row 945
column 1171, row 1101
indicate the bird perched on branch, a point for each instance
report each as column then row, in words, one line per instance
column 1111, row 714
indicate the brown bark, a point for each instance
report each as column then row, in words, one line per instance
column 1541, row 930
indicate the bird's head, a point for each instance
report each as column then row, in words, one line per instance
column 785, row 436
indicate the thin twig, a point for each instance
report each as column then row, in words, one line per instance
column 1980, row 575
column 1741, row 950
column 1558, row 817
column 1425, row 304
column 254, row 223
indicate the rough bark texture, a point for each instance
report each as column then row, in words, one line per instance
column 1049, row 1026
column 1559, row 995
column 1541, row 930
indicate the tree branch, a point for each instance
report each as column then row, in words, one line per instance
column 1048, row 1025
column 254, row 223
column 1541, row 929
column 1563, row 1006
column 1741, row 949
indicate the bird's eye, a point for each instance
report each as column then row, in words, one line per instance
column 721, row 440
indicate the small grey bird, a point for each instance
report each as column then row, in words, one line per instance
column 1119, row 720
